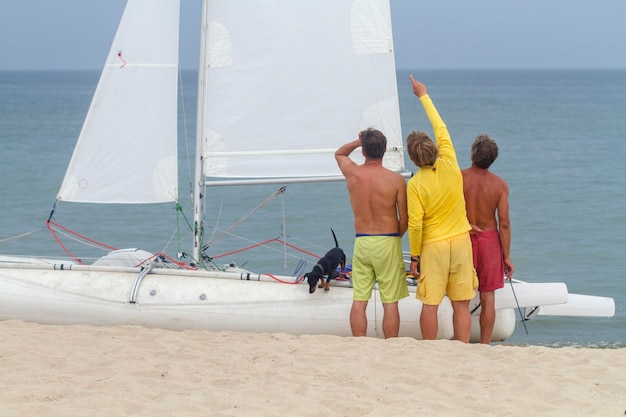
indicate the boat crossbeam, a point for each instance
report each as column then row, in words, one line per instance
column 145, row 270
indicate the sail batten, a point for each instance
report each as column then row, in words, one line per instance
column 328, row 152
column 139, row 65
column 232, row 181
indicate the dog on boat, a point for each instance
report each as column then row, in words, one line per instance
column 326, row 266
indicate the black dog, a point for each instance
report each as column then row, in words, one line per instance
column 326, row 266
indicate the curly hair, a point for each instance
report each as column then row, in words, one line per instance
column 484, row 151
column 421, row 149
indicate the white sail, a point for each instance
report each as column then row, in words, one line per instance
column 127, row 152
column 288, row 82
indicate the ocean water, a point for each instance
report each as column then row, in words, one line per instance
column 562, row 139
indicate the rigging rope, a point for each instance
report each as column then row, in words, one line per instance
column 75, row 236
column 518, row 307
column 21, row 236
column 272, row 196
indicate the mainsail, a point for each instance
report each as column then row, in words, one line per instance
column 127, row 151
column 287, row 82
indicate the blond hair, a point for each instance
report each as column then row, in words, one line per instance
column 422, row 150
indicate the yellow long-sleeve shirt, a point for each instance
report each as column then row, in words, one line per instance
column 435, row 194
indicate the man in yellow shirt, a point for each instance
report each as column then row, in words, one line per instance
column 441, row 250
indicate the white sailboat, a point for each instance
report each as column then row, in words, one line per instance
column 267, row 113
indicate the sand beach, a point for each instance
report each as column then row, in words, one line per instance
column 136, row 371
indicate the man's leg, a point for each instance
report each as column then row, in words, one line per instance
column 428, row 322
column 461, row 320
column 391, row 320
column 358, row 320
column 487, row 315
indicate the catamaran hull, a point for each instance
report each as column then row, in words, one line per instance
column 222, row 301
column 210, row 300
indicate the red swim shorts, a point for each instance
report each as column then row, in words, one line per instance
column 488, row 261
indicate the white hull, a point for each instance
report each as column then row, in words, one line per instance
column 580, row 305
column 214, row 300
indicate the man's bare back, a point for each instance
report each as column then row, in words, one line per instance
column 377, row 194
column 485, row 193
column 374, row 195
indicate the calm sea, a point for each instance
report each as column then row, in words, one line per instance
column 562, row 139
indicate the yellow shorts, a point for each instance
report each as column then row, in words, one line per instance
column 378, row 257
column 447, row 267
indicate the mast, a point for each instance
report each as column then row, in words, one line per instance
column 199, row 157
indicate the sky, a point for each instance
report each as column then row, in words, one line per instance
column 434, row 34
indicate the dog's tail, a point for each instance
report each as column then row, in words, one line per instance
column 334, row 237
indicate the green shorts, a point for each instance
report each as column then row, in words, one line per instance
column 447, row 267
column 378, row 257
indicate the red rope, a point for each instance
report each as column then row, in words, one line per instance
column 61, row 244
column 51, row 223
column 79, row 235
column 245, row 249
column 298, row 249
column 181, row 264
column 298, row 281
column 285, row 282
column 264, row 243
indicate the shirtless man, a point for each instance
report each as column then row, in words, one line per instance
column 485, row 194
column 378, row 199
